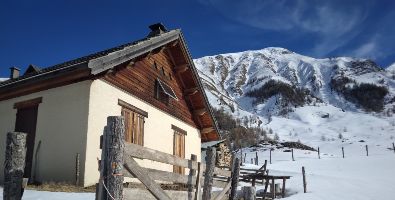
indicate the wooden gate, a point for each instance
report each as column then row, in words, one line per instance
column 119, row 161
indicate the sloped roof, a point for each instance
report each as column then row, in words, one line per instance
column 93, row 56
column 105, row 60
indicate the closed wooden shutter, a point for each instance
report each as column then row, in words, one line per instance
column 179, row 150
column 134, row 126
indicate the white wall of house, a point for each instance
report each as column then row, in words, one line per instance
column 103, row 102
column 61, row 127
column 71, row 119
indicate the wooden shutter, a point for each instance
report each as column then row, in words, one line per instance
column 179, row 150
column 134, row 127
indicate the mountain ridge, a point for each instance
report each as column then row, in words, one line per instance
column 276, row 82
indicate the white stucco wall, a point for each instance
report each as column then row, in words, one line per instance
column 157, row 129
column 61, row 128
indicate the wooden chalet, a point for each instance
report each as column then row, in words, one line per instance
column 152, row 82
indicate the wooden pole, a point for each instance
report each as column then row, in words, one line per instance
column 292, row 150
column 77, row 169
column 367, row 150
column 198, row 182
column 393, row 147
column 304, row 180
column 245, row 156
column 256, row 158
column 235, row 179
column 319, row 156
column 209, row 173
column 249, row 193
column 273, row 189
column 192, row 173
column 241, row 155
column 343, row 151
column 14, row 165
column 270, row 158
column 266, row 186
column 114, row 147
column 283, row 189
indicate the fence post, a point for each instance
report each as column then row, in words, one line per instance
column 77, row 169
column 14, row 165
column 393, row 147
column 367, row 150
column 343, row 151
column 241, row 155
column 270, row 158
column 114, row 147
column 245, row 156
column 192, row 173
column 292, row 151
column 235, row 179
column 249, row 193
column 319, row 156
column 208, row 176
column 304, row 180
column 256, row 155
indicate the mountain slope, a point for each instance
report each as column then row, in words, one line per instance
column 295, row 94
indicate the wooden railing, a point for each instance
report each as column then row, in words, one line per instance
column 118, row 161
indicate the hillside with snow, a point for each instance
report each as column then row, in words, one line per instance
column 327, row 103
column 300, row 97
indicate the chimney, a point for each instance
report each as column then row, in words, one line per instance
column 14, row 72
column 157, row 29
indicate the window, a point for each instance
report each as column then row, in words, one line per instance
column 164, row 92
column 179, row 147
column 134, row 123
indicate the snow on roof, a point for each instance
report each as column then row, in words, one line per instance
column 210, row 144
column 3, row 79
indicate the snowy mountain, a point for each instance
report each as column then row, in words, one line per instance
column 294, row 94
column 391, row 68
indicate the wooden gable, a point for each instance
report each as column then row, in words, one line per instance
column 171, row 66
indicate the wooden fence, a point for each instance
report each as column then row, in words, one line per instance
column 118, row 160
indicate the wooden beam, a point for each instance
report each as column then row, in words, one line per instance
column 191, row 91
column 224, row 191
column 181, row 68
column 131, row 63
column 138, row 151
column 142, row 174
column 165, row 176
column 207, row 130
column 28, row 103
column 200, row 112
column 173, row 44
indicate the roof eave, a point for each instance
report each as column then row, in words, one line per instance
column 111, row 60
column 200, row 85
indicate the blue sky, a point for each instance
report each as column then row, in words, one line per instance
column 45, row 33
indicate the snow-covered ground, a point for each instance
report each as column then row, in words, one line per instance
column 331, row 177
column 42, row 195
column 357, row 176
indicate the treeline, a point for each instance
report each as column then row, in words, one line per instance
column 368, row 96
column 290, row 94
column 239, row 135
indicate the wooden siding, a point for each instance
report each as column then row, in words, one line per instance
column 139, row 80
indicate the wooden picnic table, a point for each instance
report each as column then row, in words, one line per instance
column 267, row 178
